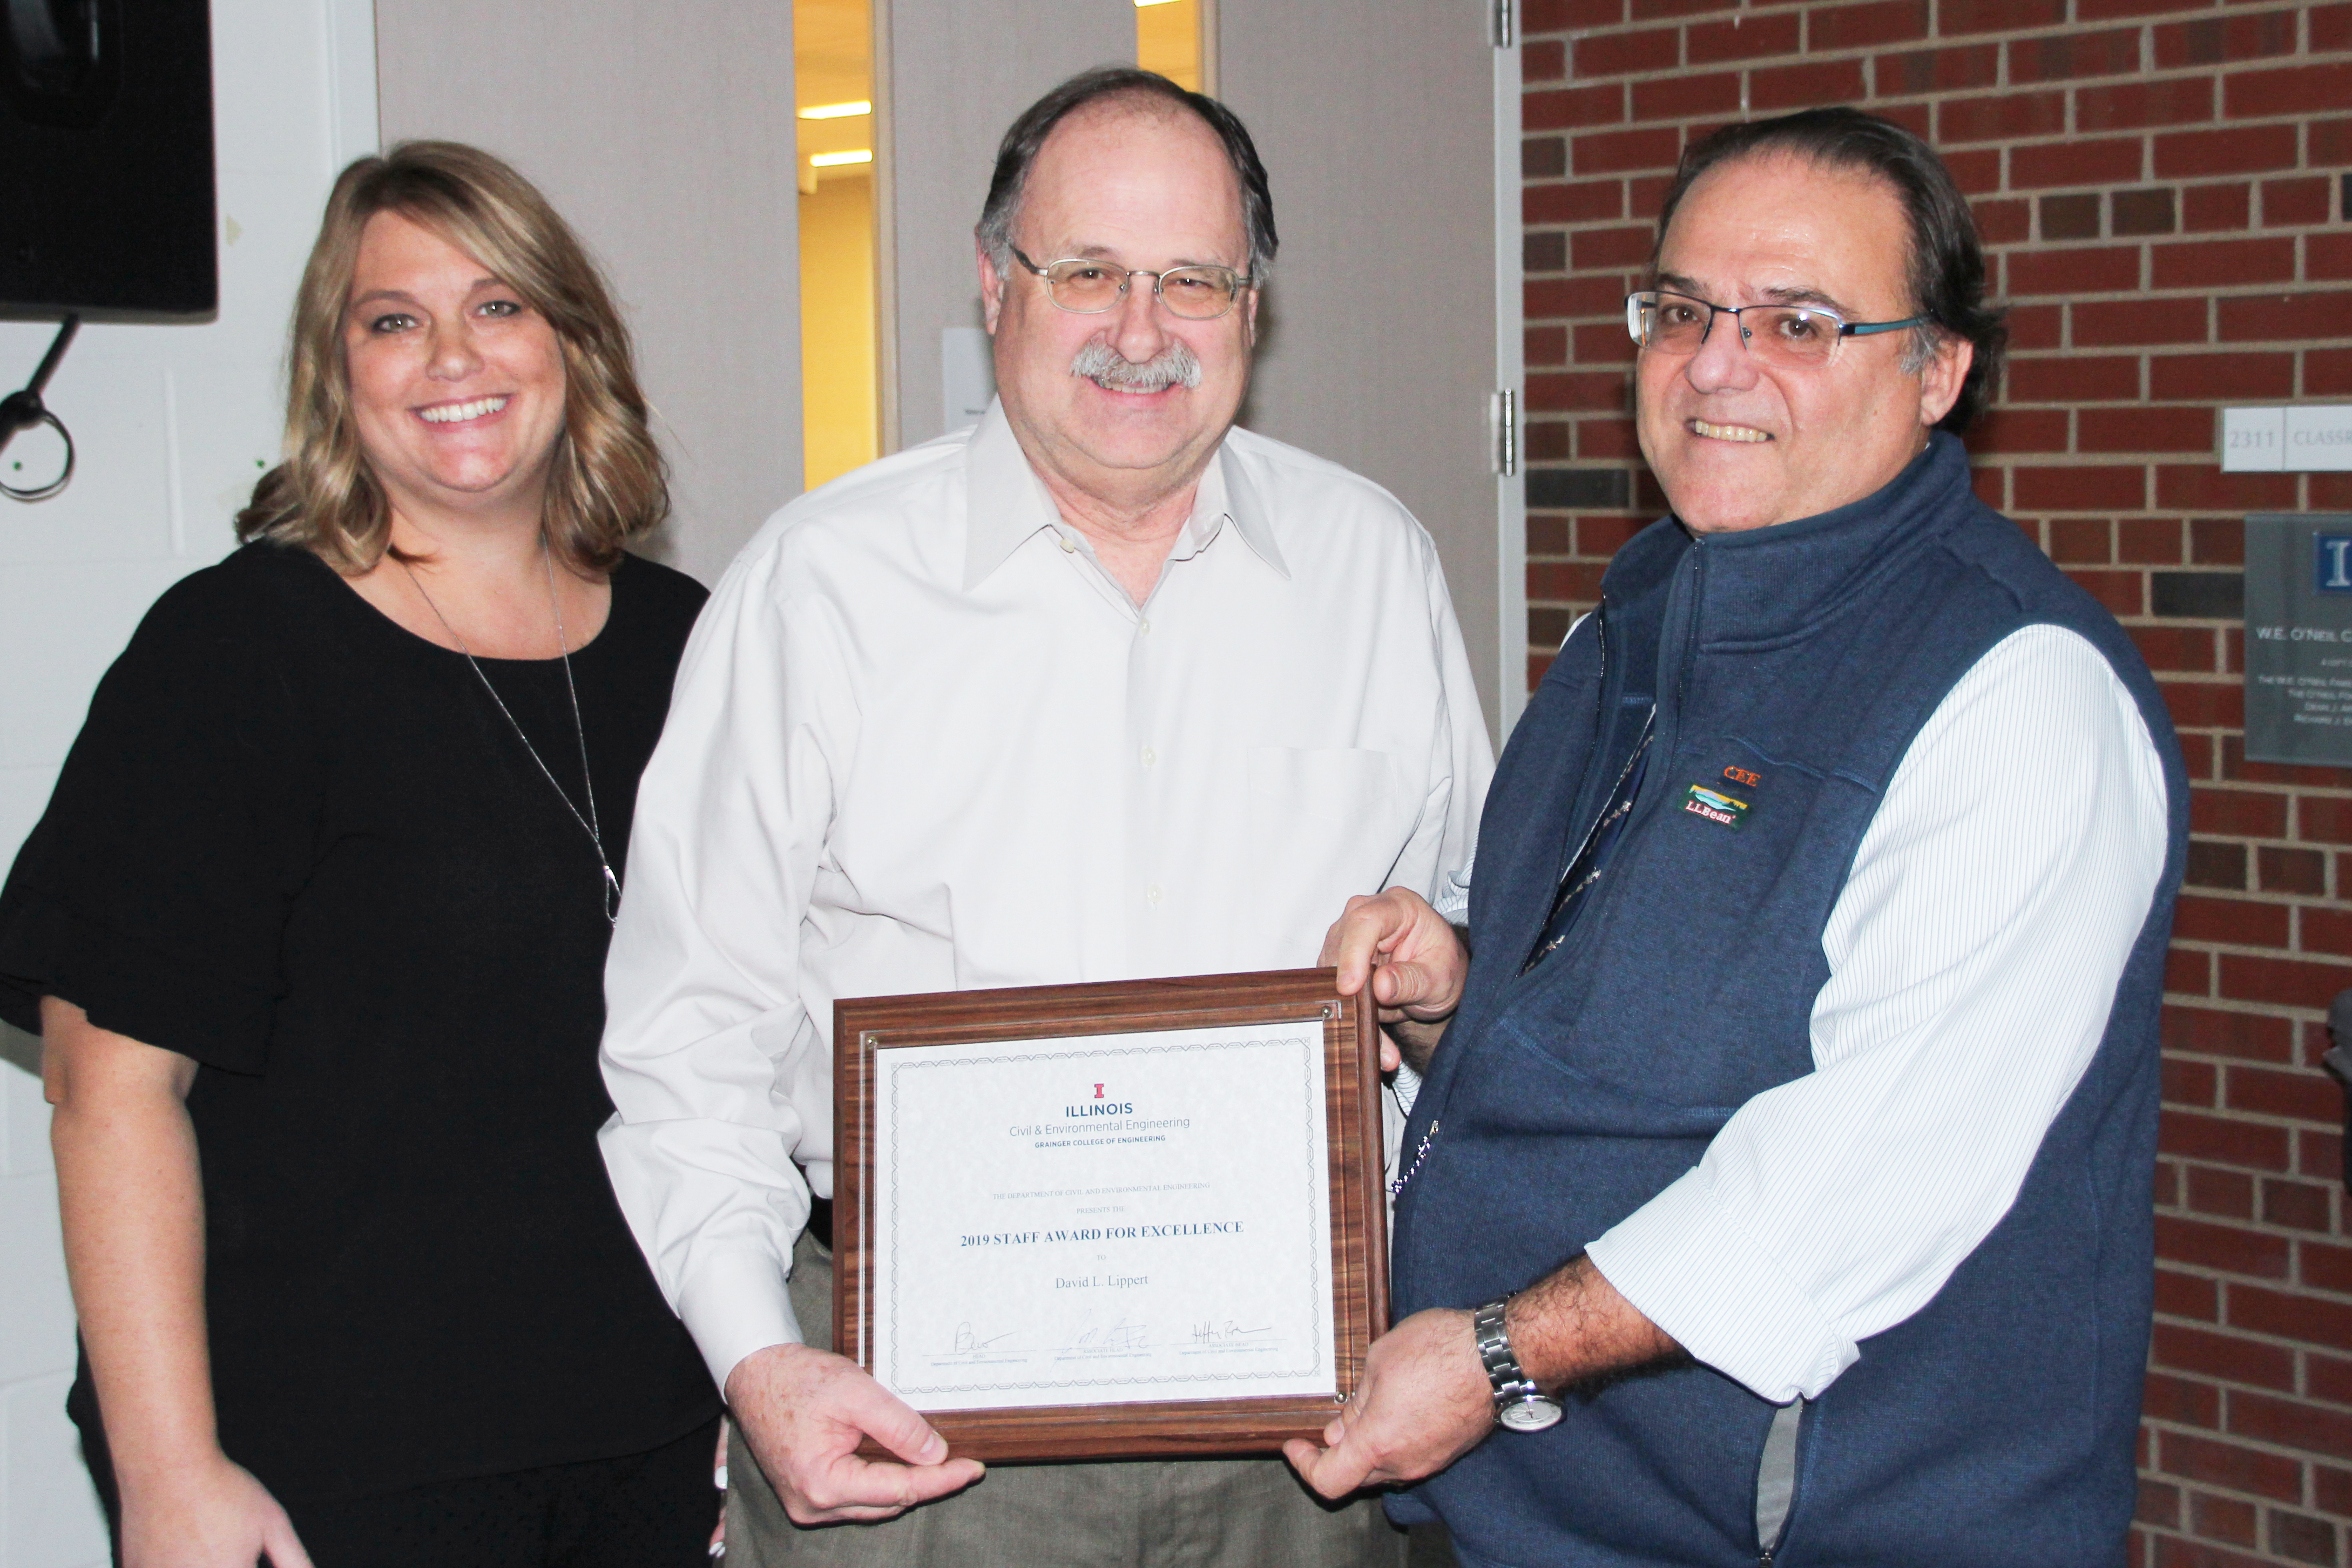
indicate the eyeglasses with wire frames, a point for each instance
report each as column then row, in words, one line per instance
column 1805, row 336
column 1088, row 288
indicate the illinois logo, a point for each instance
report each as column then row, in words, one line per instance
column 1100, row 1106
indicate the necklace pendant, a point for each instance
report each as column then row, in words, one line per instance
column 589, row 824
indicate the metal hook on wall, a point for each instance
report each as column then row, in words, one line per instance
column 23, row 410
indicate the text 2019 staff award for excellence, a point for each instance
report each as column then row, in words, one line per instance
column 1097, row 1221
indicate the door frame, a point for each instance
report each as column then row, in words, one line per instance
column 1510, row 379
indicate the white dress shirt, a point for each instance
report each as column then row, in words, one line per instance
column 921, row 740
column 1973, row 958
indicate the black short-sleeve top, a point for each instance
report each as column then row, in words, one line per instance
column 304, row 847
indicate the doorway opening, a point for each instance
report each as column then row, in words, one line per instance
column 832, row 74
column 1173, row 38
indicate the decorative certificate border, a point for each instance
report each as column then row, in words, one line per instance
column 1317, row 1220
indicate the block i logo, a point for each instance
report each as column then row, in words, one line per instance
column 2331, row 566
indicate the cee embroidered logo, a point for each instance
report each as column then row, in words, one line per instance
column 1717, row 804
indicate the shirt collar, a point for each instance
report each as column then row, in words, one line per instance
column 1005, row 503
column 1226, row 493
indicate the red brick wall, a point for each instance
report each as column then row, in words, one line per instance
column 2163, row 185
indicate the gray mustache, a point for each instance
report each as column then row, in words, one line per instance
column 1175, row 365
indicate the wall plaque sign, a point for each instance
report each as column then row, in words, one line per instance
column 2299, row 638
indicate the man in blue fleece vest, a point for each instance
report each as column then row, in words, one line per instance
column 1779, row 1189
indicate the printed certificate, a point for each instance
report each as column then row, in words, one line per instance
column 1111, row 1220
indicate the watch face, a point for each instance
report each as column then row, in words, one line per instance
column 1530, row 1414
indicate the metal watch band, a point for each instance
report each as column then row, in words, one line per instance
column 1519, row 1405
column 1509, row 1379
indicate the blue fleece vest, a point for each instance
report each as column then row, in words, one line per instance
column 1996, row 1425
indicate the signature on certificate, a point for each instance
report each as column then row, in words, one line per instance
column 1121, row 1335
column 966, row 1341
column 1216, row 1334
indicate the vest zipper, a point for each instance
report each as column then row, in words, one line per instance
column 1683, row 598
column 1651, row 727
column 1614, row 786
column 1601, row 725
column 1776, row 1480
column 1584, row 799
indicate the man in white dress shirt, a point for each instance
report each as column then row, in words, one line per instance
column 1817, row 945
column 1099, row 690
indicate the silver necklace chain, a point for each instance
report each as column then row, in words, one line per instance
column 588, row 823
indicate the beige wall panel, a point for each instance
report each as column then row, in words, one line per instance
column 960, row 70
column 1375, row 122
column 663, row 131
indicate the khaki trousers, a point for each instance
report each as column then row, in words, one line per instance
column 1161, row 1513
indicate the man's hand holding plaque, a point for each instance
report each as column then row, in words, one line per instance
column 806, row 1412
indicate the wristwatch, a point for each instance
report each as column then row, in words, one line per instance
column 1519, row 1403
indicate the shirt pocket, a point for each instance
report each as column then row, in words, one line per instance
column 1325, row 823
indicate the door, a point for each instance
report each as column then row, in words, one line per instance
column 1391, row 134
column 958, row 72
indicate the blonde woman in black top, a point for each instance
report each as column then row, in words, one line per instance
column 313, row 931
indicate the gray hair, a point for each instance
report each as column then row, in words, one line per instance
column 1021, row 144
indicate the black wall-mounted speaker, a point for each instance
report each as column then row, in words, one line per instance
column 106, row 158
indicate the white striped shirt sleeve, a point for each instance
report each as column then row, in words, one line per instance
column 1973, row 958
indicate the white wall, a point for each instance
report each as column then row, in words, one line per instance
column 173, row 423
column 49, row 1518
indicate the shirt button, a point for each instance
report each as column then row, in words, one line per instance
column 1149, row 756
column 1144, row 627
column 1069, row 546
column 1151, row 894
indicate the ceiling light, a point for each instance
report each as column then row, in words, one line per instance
column 850, row 110
column 1140, row 4
column 836, row 159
